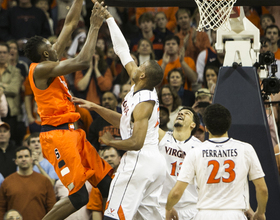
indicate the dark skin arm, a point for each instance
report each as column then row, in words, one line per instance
column 141, row 115
column 109, row 115
column 47, row 70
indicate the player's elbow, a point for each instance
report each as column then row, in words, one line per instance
column 176, row 195
column 136, row 145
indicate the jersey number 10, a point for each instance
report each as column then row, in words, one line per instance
column 216, row 166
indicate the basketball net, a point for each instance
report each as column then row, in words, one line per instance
column 214, row 14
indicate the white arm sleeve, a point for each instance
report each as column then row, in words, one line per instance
column 119, row 43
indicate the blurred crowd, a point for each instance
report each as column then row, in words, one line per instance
column 166, row 34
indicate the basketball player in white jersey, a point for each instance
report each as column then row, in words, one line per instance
column 221, row 166
column 174, row 146
column 137, row 184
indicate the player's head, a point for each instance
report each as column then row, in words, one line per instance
column 217, row 119
column 39, row 49
column 187, row 117
column 150, row 73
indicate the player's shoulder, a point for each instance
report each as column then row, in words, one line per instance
column 240, row 143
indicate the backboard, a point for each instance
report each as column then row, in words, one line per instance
column 182, row 3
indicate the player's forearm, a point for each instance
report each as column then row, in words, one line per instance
column 262, row 197
column 88, row 49
column 109, row 115
column 189, row 73
column 172, row 199
column 73, row 16
column 119, row 43
column 128, row 145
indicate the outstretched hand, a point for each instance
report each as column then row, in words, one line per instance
column 84, row 103
column 98, row 14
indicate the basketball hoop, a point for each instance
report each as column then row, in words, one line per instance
column 214, row 13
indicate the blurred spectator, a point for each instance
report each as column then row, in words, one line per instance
column 169, row 12
column 125, row 88
column 161, row 30
column 200, row 133
column 169, row 98
column 193, row 41
column 27, row 191
column 272, row 32
column 10, row 81
column 209, row 55
column 25, row 21
column 195, row 18
column 266, row 20
column 163, row 117
column 176, row 81
column 96, row 80
column 14, row 59
column 12, row 214
column 274, row 11
column 210, row 78
column 63, row 6
column 203, row 98
column 3, row 104
column 44, row 6
column 146, row 24
column 7, row 152
column 100, row 126
column 252, row 16
column 175, row 58
column 145, row 51
column 41, row 165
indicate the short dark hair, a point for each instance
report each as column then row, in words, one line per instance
column 31, row 48
column 23, row 148
column 180, row 10
column 5, row 45
column 176, row 70
column 272, row 26
column 172, row 37
column 146, row 17
column 196, row 119
column 33, row 135
column 268, row 16
column 217, row 119
column 154, row 74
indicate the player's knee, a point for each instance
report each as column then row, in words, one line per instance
column 79, row 198
column 104, row 186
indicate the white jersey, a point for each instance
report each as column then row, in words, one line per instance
column 221, row 166
column 174, row 152
column 128, row 105
column 137, row 184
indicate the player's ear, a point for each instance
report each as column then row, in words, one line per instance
column 193, row 125
column 46, row 54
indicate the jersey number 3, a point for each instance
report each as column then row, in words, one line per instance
column 216, row 167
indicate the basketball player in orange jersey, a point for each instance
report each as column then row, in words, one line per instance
column 74, row 159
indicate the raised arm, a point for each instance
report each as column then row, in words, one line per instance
column 120, row 46
column 49, row 69
column 71, row 22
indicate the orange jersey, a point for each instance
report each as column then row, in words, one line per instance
column 177, row 64
column 54, row 103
